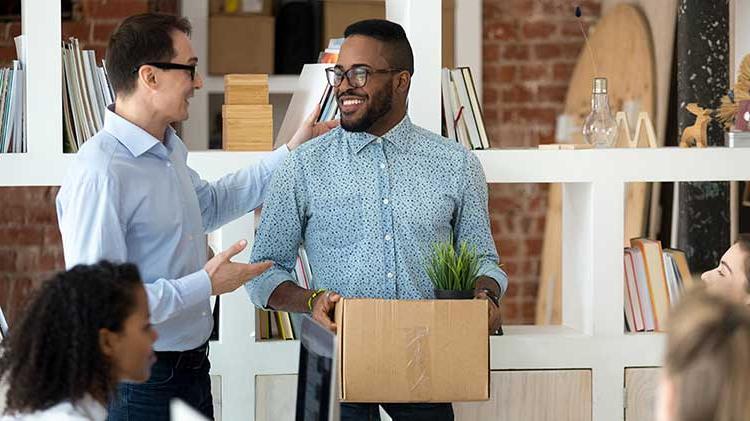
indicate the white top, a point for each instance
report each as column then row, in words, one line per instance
column 87, row 409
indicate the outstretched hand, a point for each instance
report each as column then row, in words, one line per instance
column 310, row 129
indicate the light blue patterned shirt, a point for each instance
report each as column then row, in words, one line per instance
column 130, row 198
column 369, row 209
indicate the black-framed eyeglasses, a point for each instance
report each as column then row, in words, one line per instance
column 190, row 68
column 356, row 76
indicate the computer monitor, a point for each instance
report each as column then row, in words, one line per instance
column 317, row 386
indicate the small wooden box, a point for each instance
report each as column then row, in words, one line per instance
column 247, row 127
column 246, row 89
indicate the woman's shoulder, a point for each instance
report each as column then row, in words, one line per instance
column 86, row 409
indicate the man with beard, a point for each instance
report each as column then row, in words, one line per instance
column 370, row 198
column 130, row 196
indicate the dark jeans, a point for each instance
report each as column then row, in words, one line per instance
column 173, row 376
column 397, row 411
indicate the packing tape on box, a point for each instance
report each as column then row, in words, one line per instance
column 418, row 372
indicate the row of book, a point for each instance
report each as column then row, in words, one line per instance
column 270, row 324
column 462, row 113
column 86, row 94
column 12, row 104
column 655, row 279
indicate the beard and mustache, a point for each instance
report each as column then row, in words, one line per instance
column 378, row 105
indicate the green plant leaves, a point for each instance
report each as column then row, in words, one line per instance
column 450, row 269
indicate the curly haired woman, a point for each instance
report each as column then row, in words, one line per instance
column 83, row 332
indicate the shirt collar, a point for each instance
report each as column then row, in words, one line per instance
column 134, row 138
column 397, row 136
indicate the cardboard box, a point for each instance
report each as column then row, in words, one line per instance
column 413, row 351
column 247, row 127
column 240, row 44
column 338, row 14
column 246, row 89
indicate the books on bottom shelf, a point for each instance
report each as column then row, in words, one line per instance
column 86, row 94
column 462, row 113
column 271, row 324
column 654, row 281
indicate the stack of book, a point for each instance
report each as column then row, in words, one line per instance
column 86, row 94
column 654, row 281
column 270, row 324
column 462, row 113
column 12, row 94
column 247, row 115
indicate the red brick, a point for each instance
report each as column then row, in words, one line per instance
column 534, row 247
column 515, row 52
column 7, row 55
column 27, row 259
column 528, row 311
column 538, row 29
column 501, row 31
column 489, row 96
column 562, row 71
column 552, row 93
column 51, row 260
column 518, row 94
column 538, row 115
column 547, row 51
column 12, row 30
column 509, row 248
column 509, row 311
column 529, row 289
column 572, row 28
column 52, row 236
column 102, row 31
column 534, row 72
column 45, row 215
column 21, row 236
column 571, row 50
column 113, row 9
column 502, row 74
column 7, row 260
column 76, row 29
column 12, row 215
column 490, row 53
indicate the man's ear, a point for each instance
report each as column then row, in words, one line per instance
column 147, row 76
column 403, row 82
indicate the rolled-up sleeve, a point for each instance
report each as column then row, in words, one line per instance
column 473, row 225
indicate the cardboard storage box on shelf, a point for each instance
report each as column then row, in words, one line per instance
column 240, row 44
column 338, row 14
column 247, row 127
column 246, row 89
column 412, row 351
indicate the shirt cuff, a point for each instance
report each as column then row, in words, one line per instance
column 261, row 288
column 491, row 270
column 195, row 288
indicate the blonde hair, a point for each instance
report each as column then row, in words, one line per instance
column 708, row 358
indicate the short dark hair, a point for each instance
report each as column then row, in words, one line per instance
column 140, row 39
column 52, row 352
column 400, row 54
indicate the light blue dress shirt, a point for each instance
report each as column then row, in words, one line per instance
column 129, row 197
column 369, row 209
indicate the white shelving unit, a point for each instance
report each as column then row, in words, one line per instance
column 593, row 202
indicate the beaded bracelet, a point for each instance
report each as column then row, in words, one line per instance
column 312, row 298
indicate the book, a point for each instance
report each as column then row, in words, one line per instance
column 631, row 293
column 683, row 269
column 644, row 296
column 657, row 280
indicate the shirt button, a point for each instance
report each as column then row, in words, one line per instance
column 388, row 237
column 385, row 201
column 169, row 164
column 389, row 275
column 382, row 166
column 205, row 314
column 378, row 141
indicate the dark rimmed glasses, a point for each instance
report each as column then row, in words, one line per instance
column 190, row 68
column 356, row 76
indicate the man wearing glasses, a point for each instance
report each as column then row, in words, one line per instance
column 369, row 199
column 130, row 196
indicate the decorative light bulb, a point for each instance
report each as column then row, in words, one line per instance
column 600, row 128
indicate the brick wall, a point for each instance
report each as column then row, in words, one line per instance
column 530, row 48
column 30, row 245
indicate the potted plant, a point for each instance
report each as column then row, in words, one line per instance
column 453, row 272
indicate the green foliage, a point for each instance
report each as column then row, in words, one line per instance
column 453, row 270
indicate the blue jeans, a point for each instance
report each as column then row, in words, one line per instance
column 184, row 378
column 397, row 411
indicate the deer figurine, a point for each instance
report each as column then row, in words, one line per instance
column 695, row 135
